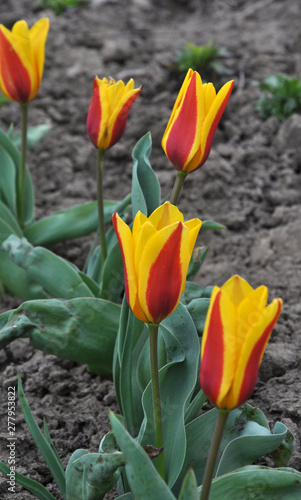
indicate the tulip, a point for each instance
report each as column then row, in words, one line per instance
column 196, row 114
column 108, row 111
column 156, row 255
column 237, row 328
column 22, row 54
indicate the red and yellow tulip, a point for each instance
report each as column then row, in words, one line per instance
column 22, row 55
column 108, row 111
column 196, row 114
column 156, row 255
column 237, row 328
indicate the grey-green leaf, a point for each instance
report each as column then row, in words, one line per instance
column 145, row 185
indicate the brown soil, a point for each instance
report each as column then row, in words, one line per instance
column 251, row 183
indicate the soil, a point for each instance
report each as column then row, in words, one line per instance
column 251, row 183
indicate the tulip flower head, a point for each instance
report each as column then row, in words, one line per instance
column 156, row 255
column 196, row 114
column 237, row 328
column 22, row 55
column 108, row 111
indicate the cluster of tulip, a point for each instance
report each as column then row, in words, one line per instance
column 156, row 253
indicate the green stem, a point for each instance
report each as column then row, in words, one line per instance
column 177, row 187
column 214, row 448
column 153, row 342
column 21, row 180
column 101, row 217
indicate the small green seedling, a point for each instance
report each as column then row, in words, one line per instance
column 202, row 58
column 58, row 6
column 281, row 97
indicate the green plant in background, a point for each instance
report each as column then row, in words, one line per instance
column 281, row 97
column 58, row 6
column 202, row 58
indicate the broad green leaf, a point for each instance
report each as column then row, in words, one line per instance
column 92, row 475
column 34, row 135
column 48, row 454
column 246, row 448
column 8, row 180
column 82, row 329
column 132, row 335
column 177, row 382
column 145, row 185
column 55, row 275
column 72, row 222
column 8, row 223
column 195, row 291
column 195, row 407
column 189, row 487
column 260, row 483
column 112, row 283
column 144, row 480
column 243, row 421
column 12, row 151
column 197, row 309
column 29, row 484
column 17, row 282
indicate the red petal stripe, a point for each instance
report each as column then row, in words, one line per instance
column 121, row 120
column 165, row 278
column 13, row 72
column 94, row 115
column 212, row 362
column 182, row 133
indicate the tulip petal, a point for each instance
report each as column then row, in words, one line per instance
column 15, row 81
column 237, row 289
column 165, row 215
column 194, row 226
column 179, row 141
column 162, row 271
column 218, row 351
column 213, row 118
column 38, row 35
column 118, row 119
column 251, row 355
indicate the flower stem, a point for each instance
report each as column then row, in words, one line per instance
column 214, row 448
column 153, row 342
column 101, row 217
column 21, row 180
column 177, row 187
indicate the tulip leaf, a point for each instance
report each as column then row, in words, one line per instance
column 34, row 135
column 7, row 145
column 50, row 457
column 244, row 421
column 92, row 475
column 210, row 224
column 8, row 180
column 44, row 267
column 261, row 483
column 195, row 291
column 132, row 335
column 81, row 329
column 189, row 487
column 146, row 195
column 17, row 281
column 180, row 372
column 8, row 223
column 145, row 482
column 71, row 223
column 29, row 484
column 198, row 308
column 246, row 448
column 112, row 282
